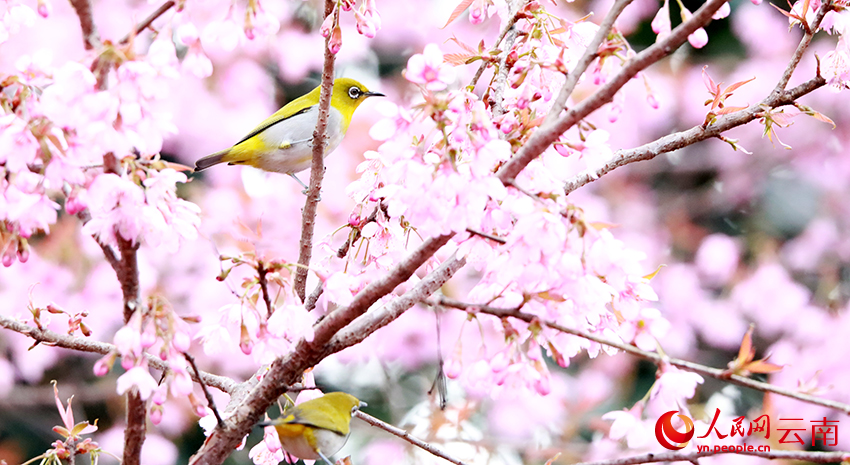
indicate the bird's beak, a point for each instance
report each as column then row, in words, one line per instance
column 373, row 94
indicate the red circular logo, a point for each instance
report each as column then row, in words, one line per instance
column 664, row 429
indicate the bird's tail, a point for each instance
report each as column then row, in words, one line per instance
column 211, row 160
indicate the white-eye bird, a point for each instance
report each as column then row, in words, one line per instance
column 317, row 428
column 283, row 143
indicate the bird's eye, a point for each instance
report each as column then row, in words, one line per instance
column 355, row 92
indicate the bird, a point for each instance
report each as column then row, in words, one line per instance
column 317, row 428
column 283, row 143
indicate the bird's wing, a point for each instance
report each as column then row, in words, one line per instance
column 316, row 419
column 274, row 119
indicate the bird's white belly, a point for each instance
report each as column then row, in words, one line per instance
column 327, row 441
column 293, row 139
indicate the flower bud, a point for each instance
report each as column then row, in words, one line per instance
column 336, row 40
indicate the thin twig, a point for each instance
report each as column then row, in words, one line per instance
column 547, row 135
column 651, row 356
column 317, row 169
column 486, row 236
column 80, row 344
column 264, row 286
column 508, row 26
column 808, row 456
column 809, row 33
column 206, row 391
column 695, row 134
column 433, row 450
column 586, row 59
column 148, row 21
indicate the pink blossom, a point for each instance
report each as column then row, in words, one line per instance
column 477, row 11
column 137, row 377
column 365, row 26
column 628, row 424
column 429, row 69
column 836, row 66
column 675, row 386
column 224, row 34
column 262, row 454
column 117, row 207
column 18, row 15
column 661, row 23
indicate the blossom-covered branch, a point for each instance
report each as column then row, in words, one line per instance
column 586, row 59
column 651, row 356
column 287, row 371
column 696, row 134
column 79, row 344
column 547, row 135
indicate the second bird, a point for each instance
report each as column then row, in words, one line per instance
column 283, row 143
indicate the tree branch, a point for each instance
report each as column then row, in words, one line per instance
column 287, row 371
column 317, row 169
column 407, row 437
column 590, row 54
column 362, row 327
column 696, row 134
column 548, row 134
column 147, row 21
column 651, row 356
column 80, row 344
column 809, row 33
column 91, row 39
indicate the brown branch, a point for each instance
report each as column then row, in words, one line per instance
column 372, row 321
column 127, row 272
column 548, row 134
column 487, row 236
column 809, row 33
column 80, row 344
column 317, row 169
column 284, row 372
column 696, row 134
column 91, row 39
column 586, row 59
column 807, row 456
column 433, row 450
column 378, row 288
column 134, row 432
column 148, row 21
column 264, row 287
column 778, row 97
column 206, row 391
column 651, row 356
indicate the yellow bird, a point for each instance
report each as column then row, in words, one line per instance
column 317, row 428
column 283, row 143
